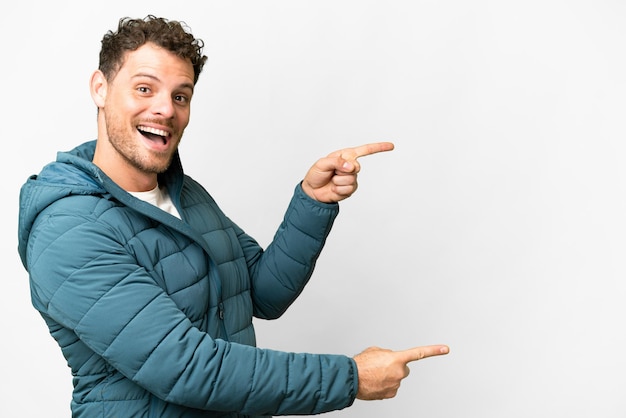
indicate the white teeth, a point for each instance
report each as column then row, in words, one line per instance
column 152, row 130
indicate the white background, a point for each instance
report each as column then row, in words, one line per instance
column 496, row 226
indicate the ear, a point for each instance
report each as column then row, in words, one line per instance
column 98, row 88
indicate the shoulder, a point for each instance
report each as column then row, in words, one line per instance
column 82, row 221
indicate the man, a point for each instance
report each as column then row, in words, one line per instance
column 149, row 289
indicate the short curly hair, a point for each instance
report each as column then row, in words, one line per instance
column 131, row 34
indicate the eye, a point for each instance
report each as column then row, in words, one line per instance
column 182, row 99
column 143, row 89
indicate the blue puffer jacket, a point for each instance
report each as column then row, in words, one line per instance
column 154, row 314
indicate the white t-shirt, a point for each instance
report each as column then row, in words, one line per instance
column 160, row 198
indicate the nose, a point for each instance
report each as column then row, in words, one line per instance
column 163, row 105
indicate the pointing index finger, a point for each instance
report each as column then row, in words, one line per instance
column 419, row 353
column 367, row 149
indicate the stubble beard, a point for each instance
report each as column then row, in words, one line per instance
column 123, row 141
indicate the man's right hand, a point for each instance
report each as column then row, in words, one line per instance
column 381, row 370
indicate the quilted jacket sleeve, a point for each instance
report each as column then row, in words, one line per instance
column 83, row 278
column 279, row 273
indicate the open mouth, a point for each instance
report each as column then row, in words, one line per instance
column 154, row 134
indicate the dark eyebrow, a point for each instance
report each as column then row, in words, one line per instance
column 190, row 86
column 146, row 75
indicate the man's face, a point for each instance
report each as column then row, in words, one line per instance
column 147, row 107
